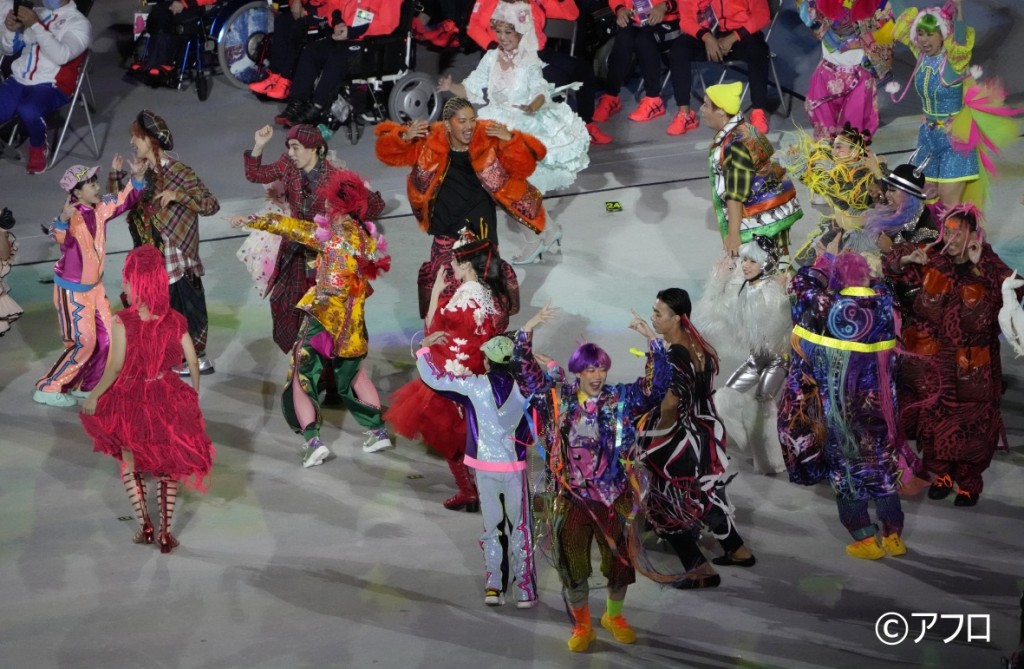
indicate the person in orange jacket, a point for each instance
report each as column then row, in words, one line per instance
column 645, row 28
column 560, row 68
column 296, row 23
column 323, row 65
column 719, row 30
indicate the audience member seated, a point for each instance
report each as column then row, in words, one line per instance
column 162, row 47
column 645, row 28
column 295, row 24
column 734, row 35
column 51, row 41
column 560, row 68
column 323, row 65
column 442, row 22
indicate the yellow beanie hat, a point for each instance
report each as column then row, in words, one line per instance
column 726, row 96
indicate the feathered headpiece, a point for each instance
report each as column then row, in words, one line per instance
column 145, row 272
column 943, row 17
column 346, row 194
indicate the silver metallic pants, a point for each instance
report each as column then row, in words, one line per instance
column 763, row 371
column 505, row 506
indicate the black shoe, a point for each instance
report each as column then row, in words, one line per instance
column 728, row 560
column 291, row 112
column 941, row 487
column 964, row 498
column 712, row 581
column 310, row 115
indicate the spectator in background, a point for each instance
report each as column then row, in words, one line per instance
column 49, row 43
column 162, row 27
column 294, row 23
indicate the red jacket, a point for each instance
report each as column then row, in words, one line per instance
column 744, row 17
column 384, row 15
column 671, row 14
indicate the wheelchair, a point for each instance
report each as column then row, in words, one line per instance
column 382, row 83
column 230, row 35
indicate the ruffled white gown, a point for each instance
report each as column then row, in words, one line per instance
column 555, row 124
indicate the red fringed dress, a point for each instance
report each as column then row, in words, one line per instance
column 149, row 411
column 470, row 317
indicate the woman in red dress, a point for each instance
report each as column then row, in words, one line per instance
column 140, row 412
column 455, row 328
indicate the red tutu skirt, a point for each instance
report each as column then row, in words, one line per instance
column 159, row 422
column 418, row 411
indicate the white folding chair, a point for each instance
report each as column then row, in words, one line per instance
column 774, row 8
column 85, row 99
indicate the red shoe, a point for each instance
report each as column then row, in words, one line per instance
column 648, row 110
column 683, row 123
column 262, row 86
column 597, row 136
column 759, row 120
column 281, row 89
column 37, row 159
column 607, row 106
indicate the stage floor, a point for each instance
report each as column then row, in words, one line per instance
column 355, row 563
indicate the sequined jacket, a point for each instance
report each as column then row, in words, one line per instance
column 346, row 262
column 501, row 166
column 494, row 409
column 592, row 469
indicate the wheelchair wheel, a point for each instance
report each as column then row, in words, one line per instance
column 414, row 97
column 241, row 41
column 203, row 86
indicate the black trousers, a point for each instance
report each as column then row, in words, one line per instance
column 328, row 59
column 647, row 42
column 752, row 50
column 686, row 546
column 562, row 69
column 189, row 299
column 289, row 36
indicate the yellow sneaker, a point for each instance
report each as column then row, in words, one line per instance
column 866, row 549
column 619, row 628
column 894, row 545
column 581, row 637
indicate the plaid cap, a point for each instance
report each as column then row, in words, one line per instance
column 156, row 128
column 307, row 135
column 75, row 175
column 498, row 349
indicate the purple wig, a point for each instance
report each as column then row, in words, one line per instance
column 849, row 269
column 589, row 355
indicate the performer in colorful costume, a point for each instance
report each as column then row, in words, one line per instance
column 350, row 254
column 461, row 168
column 856, row 53
column 750, row 192
column 456, row 327
column 844, row 340
column 684, row 454
column 83, row 311
column 964, row 122
column 140, row 413
column 592, row 431
column 496, row 450
column 950, row 371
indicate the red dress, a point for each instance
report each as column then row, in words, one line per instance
column 149, row 410
column 470, row 317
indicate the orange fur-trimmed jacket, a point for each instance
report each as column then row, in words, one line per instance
column 501, row 166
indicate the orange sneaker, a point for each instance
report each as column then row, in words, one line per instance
column 619, row 628
column 607, row 106
column 597, row 136
column 759, row 120
column 683, row 123
column 581, row 637
column 648, row 110
column 263, row 85
column 280, row 90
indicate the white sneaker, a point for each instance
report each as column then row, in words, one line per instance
column 54, row 399
column 315, row 453
column 526, row 603
column 377, row 440
column 493, row 598
column 80, row 394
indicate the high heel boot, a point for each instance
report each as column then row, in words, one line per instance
column 168, row 489
column 553, row 244
column 467, row 497
column 135, row 486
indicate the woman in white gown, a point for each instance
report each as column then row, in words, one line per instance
column 518, row 96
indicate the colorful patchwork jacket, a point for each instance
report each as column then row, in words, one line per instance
column 502, row 167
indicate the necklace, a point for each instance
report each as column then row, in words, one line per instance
column 452, row 147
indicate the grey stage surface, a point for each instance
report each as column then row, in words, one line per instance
column 355, row 563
